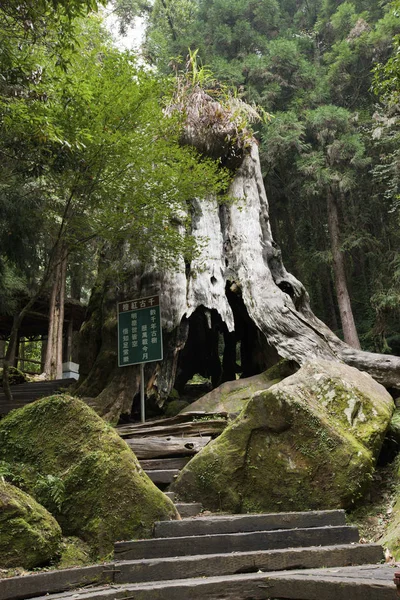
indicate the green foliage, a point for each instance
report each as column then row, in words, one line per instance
column 386, row 75
column 76, row 126
column 50, row 492
column 90, row 156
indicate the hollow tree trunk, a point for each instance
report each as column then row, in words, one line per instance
column 237, row 289
column 53, row 361
column 346, row 313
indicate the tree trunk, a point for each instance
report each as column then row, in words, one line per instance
column 343, row 297
column 2, row 351
column 54, row 349
column 12, row 346
column 236, row 288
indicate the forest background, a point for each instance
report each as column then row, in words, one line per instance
column 78, row 118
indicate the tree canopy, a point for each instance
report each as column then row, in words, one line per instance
column 313, row 65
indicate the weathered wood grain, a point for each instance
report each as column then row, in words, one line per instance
column 163, row 476
column 322, row 584
column 19, row 588
column 164, row 463
column 242, row 523
column 193, row 428
column 211, row 565
column 234, row 542
column 169, row 446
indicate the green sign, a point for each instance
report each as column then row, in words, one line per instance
column 139, row 331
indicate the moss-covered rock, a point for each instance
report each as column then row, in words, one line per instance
column 174, row 407
column 231, row 397
column 74, row 552
column 309, row 442
column 29, row 536
column 95, row 485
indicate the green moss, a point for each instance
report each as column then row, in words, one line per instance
column 284, row 368
column 233, row 396
column 29, row 536
column 74, row 553
column 106, row 495
column 310, row 442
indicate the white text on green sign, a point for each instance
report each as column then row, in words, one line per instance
column 139, row 331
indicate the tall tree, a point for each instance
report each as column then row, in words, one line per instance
column 86, row 132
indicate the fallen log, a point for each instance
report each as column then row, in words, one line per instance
column 194, row 428
column 152, row 447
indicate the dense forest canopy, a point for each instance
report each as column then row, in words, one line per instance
column 78, row 117
column 327, row 72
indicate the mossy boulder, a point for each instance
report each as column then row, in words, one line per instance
column 231, row 397
column 74, row 553
column 29, row 535
column 95, row 486
column 309, row 442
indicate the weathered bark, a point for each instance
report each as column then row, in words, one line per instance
column 346, row 314
column 53, row 361
column 236, row 289
column 170, row 446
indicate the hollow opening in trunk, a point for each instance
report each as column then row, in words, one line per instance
column 216, row 354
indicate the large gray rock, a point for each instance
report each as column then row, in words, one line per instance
column 232, row 396
column 29, row 536
column 308, row 442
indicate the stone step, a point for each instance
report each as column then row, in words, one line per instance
column 209, row 565
column 254, row 522
column 164, row 476
column 234, row 542
column 153, row 464
column 370, row 582
column 188, row 509
column 18, row 588
column 170, row 495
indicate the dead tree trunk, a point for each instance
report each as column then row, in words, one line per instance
column 237, row 289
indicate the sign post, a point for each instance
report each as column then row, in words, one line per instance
column 139, row 336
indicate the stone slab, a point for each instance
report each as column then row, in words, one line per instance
column 165, row 476
column 210, row 565
column 242, row 523
column 28, row 586
column 188, row 509
column 347, row 583
column 170, row 495
column 163, row 463
column 235, row 542
column 18, row 588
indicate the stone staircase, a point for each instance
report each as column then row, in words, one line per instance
column 303, row 556
column 25, row 393
column 309, row 555
column 163, row 472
